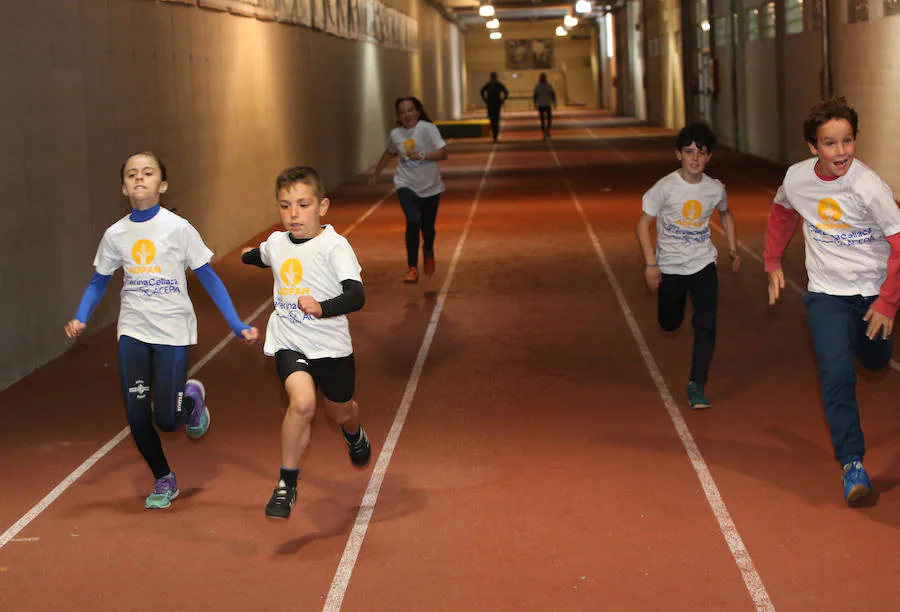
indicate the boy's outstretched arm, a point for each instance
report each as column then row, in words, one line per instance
column 651, row 269
column 95, row 291
column 780, row 226
column 727, row 219
column 219, row 294
column 883, row 310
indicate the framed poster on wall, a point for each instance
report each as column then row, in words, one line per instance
column 542, row 53
column 518, row 54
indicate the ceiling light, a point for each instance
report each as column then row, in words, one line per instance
column 493, row 24
column 583, row 6
column 486, row 10
column 496, row 35
column 570, row 20
column 561, row 31
column 704, row 25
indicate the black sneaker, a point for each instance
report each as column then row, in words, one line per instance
column 281, row 502
column 360, row 451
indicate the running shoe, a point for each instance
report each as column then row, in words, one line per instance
column 856, row 482
column 360, row 450
column 429, row 266
column 696, row 396
column 412, row 276
column 198, row 422
column 282, row 500
column 165, row 490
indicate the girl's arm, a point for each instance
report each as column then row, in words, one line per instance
column 219, row 294
column 386, row 158
column 95, row 291
column 438, row 155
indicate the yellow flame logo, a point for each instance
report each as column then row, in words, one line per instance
column 830, row 211
column 692, row 210
column 291, row 272
column 143, row 252
column 409, row 144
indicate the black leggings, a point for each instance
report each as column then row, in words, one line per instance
column 703, row 287
column 548, row 123
column 421, row 214
column 156, row 371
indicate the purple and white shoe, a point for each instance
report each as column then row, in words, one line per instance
column 198, row 422
column 165, row 490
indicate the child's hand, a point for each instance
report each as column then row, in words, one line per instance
column 878, row 322
column 250, row 335
column 74, row 328
column 735, row 262
column 653, row 277
column 776, row 284
column 373, row 180
column 309, row 305
column 246, row 250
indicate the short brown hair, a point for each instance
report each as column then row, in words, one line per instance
column 823, row 112
column 300, row 174
column 151, row 155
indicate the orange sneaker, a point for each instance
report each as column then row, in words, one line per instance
column 412, row 276
column 429, row 266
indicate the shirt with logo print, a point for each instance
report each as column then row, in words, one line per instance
column 682, row 211
column 315, row 268
column 154, row 254
column 422, row 176
column 845, row 224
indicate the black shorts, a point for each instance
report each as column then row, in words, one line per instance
column 335, row 376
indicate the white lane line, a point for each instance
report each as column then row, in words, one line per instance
column 58, row 490
column 367, row 507
column 741, row 556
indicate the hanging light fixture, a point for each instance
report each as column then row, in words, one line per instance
column 496, row 35
column 570, row 21
column 583, row 6
column 486, row 10
column 493, row 24
column 561, row 31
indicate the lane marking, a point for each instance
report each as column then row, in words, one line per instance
column 354, row 542
column 59, row 489
column 751, row 577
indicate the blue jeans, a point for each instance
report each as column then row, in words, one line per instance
column 839, row 337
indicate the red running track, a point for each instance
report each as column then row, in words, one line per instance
column 547, row 459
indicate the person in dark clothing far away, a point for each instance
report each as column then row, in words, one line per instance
column 494, row 94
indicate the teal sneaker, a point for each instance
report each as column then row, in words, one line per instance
column 856, row 482
column 164, row 492
column 696, row 396
column 198, row 422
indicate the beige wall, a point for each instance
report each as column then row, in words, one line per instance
column 572, row 77
column 227, row 101
column 664, row 68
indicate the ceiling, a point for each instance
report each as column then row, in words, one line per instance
column 514, row 10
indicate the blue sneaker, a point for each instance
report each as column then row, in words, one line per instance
column 164, row 492
column 856, row 482
column 696, row 396
column 198, row 422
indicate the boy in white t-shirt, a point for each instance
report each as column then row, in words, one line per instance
column 156, row 318
column 851, row 227
column 684, row 260
column 317, row 284
column 418, row 145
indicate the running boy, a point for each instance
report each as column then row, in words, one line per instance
column 156, row 319
column 684, row 261
column 850, row 227
column 317, row 283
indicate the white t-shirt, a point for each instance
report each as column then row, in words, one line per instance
column 845, row 222
column 316, row 268
column 682, row 212
column 423, row 177
column 154, row 254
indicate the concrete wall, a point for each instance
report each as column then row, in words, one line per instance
column 227, row 101
column 664, row 67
